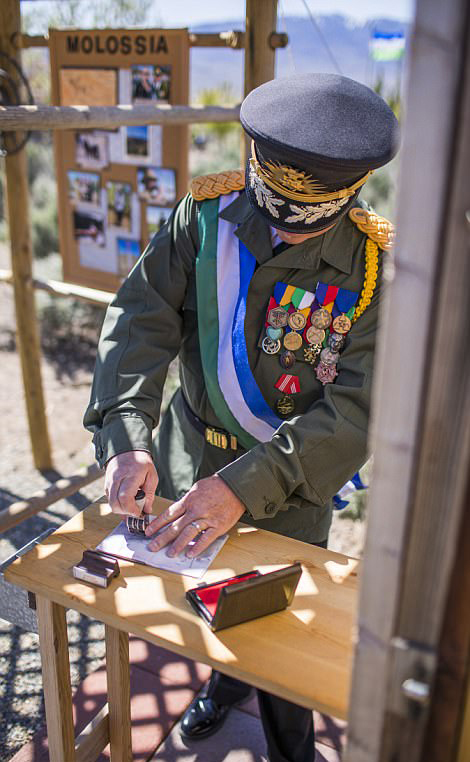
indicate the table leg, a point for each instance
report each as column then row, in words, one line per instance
column 119, row 694
column 53, row 644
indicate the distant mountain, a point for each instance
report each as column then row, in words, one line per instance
column 347, row 40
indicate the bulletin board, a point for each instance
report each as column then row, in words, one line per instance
column 116, row 187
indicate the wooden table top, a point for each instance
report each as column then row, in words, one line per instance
column 303, row 654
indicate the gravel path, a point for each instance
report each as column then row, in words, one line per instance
column 66, row 387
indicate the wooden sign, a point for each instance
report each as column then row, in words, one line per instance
column 117, row 187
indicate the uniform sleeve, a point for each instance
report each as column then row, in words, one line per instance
column 140, row 337
column 312, row 456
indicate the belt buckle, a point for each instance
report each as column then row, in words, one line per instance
column 216, row 438
column 220, row 439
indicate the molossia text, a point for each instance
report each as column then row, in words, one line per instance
column 112, row 44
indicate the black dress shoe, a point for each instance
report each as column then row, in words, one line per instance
column 202, row 718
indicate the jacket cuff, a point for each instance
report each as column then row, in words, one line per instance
column 255, row 485
column 122, row 433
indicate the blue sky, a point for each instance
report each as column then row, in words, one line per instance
column 184, row 12
column 180, row 13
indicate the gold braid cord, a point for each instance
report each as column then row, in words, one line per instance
column 380, row 232
column 378, row 228
column 370, row 278
column 212, row 186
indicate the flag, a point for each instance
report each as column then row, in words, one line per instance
column 387, row 47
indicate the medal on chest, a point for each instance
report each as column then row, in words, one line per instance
column 308, row 326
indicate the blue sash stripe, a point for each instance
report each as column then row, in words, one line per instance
column 250, row 389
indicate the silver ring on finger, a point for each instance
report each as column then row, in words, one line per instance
column 198, row 525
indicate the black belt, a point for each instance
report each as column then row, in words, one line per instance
column 216, row 437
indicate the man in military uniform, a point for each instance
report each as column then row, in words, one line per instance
column 267, row 289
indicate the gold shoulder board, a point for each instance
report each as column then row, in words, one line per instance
column 377, row 228
column 212, row 186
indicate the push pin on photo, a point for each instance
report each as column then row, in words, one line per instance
column 138, row 525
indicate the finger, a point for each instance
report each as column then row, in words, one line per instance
column 126, row 496
column 165, row 537
column 207, row 538
column 149, row 486
column 183, row 539
column 167, row 517
column 112, row 491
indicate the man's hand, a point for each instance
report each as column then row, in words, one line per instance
column 126, row 473
column 209, row 509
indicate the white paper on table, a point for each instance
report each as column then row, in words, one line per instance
column 133, row 547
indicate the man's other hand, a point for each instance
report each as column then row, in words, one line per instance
column 206, row 512
column 126, row 473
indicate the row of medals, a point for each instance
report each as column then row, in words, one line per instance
column 277, row 341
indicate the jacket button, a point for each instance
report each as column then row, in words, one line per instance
column 270, row 508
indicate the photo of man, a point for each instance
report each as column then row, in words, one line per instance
column 84, row 187
column 156, row 185
column 119, row 204
column 151, row 83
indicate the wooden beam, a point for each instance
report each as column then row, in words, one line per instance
column 420, row 436
column 53, row 644
column 119, row 694
column 231, row 39
column 16, row 181
column 94, row 738
column 24, row 509
column 104, row 117
column 261, row 19
column 59, row 288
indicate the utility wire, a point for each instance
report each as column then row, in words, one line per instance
column 322, row 37
column 290, row 51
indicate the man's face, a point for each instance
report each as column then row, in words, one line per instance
column 295, row 238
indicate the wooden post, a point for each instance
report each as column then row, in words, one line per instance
column 421, row 428
column 453, row 667
column 119, row 694
column 261, row 19
column 21, row 259
column 53, row 644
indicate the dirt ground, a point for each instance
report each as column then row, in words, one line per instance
column 66, row 378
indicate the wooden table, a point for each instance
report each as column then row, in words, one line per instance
column 303, row 654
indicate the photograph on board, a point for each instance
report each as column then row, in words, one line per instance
column 156, row 217
column 151, row 83
column 136, row 142
column 88, row 87
column 128, row 252
column 91, row 151
column 157, row 185
column 84, row 187
column 89, row 226
column 119, row 197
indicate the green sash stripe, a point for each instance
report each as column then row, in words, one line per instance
column 208, row 318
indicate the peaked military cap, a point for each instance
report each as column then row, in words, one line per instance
column 316, row 138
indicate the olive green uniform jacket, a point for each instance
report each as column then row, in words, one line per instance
column 286, row 484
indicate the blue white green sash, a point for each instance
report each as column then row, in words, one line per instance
column 224, row 269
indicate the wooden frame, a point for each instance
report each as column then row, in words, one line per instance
column 420, row 435
column 90, row 245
